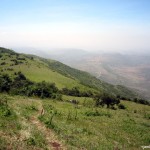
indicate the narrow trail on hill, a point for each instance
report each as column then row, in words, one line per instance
column 51, row 139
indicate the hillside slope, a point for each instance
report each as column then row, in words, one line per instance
column 39, row 69
column 34, row 69
column 71, row 128
column 130, row 70
column 43, row 123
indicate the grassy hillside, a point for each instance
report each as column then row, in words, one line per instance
column 130, row 70
column 88, row 80
column 58, row 123
column 35, row 70
column 39, row 69
column 67, row 126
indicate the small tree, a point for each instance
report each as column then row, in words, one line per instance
column 106, row 99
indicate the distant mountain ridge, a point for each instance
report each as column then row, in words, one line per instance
column 131, row 70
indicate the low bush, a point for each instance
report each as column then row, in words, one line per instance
column 76, row 92
column 121, row 106
column 3, row 63
column 20, row 85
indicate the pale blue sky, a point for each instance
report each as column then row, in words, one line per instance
column 86, row 24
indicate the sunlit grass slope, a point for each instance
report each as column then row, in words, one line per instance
column 39, row 69
column 36, row 70
column 75, row 127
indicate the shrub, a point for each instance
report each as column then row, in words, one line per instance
column 5, row 83
column 43, row 90
column 121, row 106
column 76, row 92
column 10, row 69
column 141, row 101
column 22, row 86
column 20, row 58
column 106, row 99
column 20, row 76
column 3, row 63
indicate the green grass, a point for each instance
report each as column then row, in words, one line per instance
column 81, row 126
column 8, row 118
column 16, row 131
column 36, row 139
column 111, row 128
column 37, row 70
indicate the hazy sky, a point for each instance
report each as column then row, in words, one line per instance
column 108, row 25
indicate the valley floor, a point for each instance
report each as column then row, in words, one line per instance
column 37, row 124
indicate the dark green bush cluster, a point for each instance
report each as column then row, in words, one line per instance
column 76, row 92
column 43, row 89
column 5, row 83
column 22, row 86
column 10, row 69
column 121, row 106
column 106, row 99
column 141, row 101
column 16, row 62
column 3, row 63
column 21, row 58
column 136, row 100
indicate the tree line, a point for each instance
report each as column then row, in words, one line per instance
column 20, row 85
